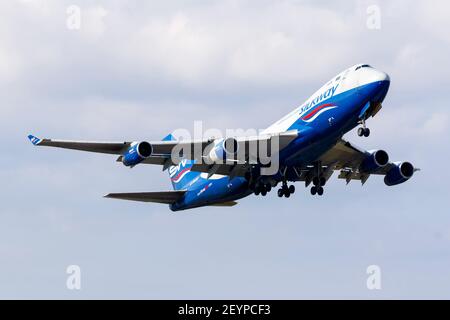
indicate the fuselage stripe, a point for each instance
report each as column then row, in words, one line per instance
column 319, row 113
column 315, row 110
column 180, row 175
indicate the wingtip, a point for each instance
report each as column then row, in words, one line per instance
column 34, row 140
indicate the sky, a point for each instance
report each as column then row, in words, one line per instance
column 136, row 71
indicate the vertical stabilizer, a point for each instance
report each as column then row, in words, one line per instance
column 181, row 174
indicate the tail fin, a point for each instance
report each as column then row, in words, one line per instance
column 181, row 174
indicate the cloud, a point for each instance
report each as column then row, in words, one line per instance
column 138, row 70
column 436, row 125
column 232, row 47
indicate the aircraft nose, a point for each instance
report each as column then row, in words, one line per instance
column 382, row 76
column 374, row 83
column 373, row 75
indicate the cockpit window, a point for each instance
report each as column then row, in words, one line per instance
column 363, row 66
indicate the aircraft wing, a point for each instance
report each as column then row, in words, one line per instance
column 239, row 169
column 119, row 148
column 348, row 158
column 345, row 155
column 161, row 151
column 342, row 156
column 90, row 146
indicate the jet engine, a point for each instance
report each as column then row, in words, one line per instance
column 399, row 174
column 222, row 150
column 137, row 153
column 377, row 159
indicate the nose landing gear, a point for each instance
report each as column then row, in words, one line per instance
column 363, row 131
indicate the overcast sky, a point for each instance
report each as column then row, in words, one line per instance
column 137, row 71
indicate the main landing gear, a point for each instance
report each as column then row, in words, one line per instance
column 285, row 190
column 318, row 186
column 318, row 180
column 363, row 131
column 263, row 189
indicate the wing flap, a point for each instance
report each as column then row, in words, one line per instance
column 166, row 197
column 343, row 155
column 162, row 150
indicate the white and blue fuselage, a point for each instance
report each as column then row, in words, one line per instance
column 333, row 110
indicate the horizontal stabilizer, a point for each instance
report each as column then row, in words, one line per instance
column 167, row 197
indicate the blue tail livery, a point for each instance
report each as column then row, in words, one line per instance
column 181, row 174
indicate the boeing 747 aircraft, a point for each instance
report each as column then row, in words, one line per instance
column 309, row 148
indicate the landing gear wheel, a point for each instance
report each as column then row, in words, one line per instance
column 259, row 189
column 363, row 132
column 262, row 189
column 291, row 188
column 316, row 181
column 286, row 191
column 313, row 191
column 322, row 181
column 280, row 193
column 360, row 131
column 320, row 191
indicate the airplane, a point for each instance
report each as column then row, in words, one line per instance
column 310, row 149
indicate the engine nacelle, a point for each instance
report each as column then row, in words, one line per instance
column 377, row 159
column 222, row 150
column 399, row 174
column 137, row 153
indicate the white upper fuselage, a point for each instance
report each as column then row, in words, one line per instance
column 351, row 78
